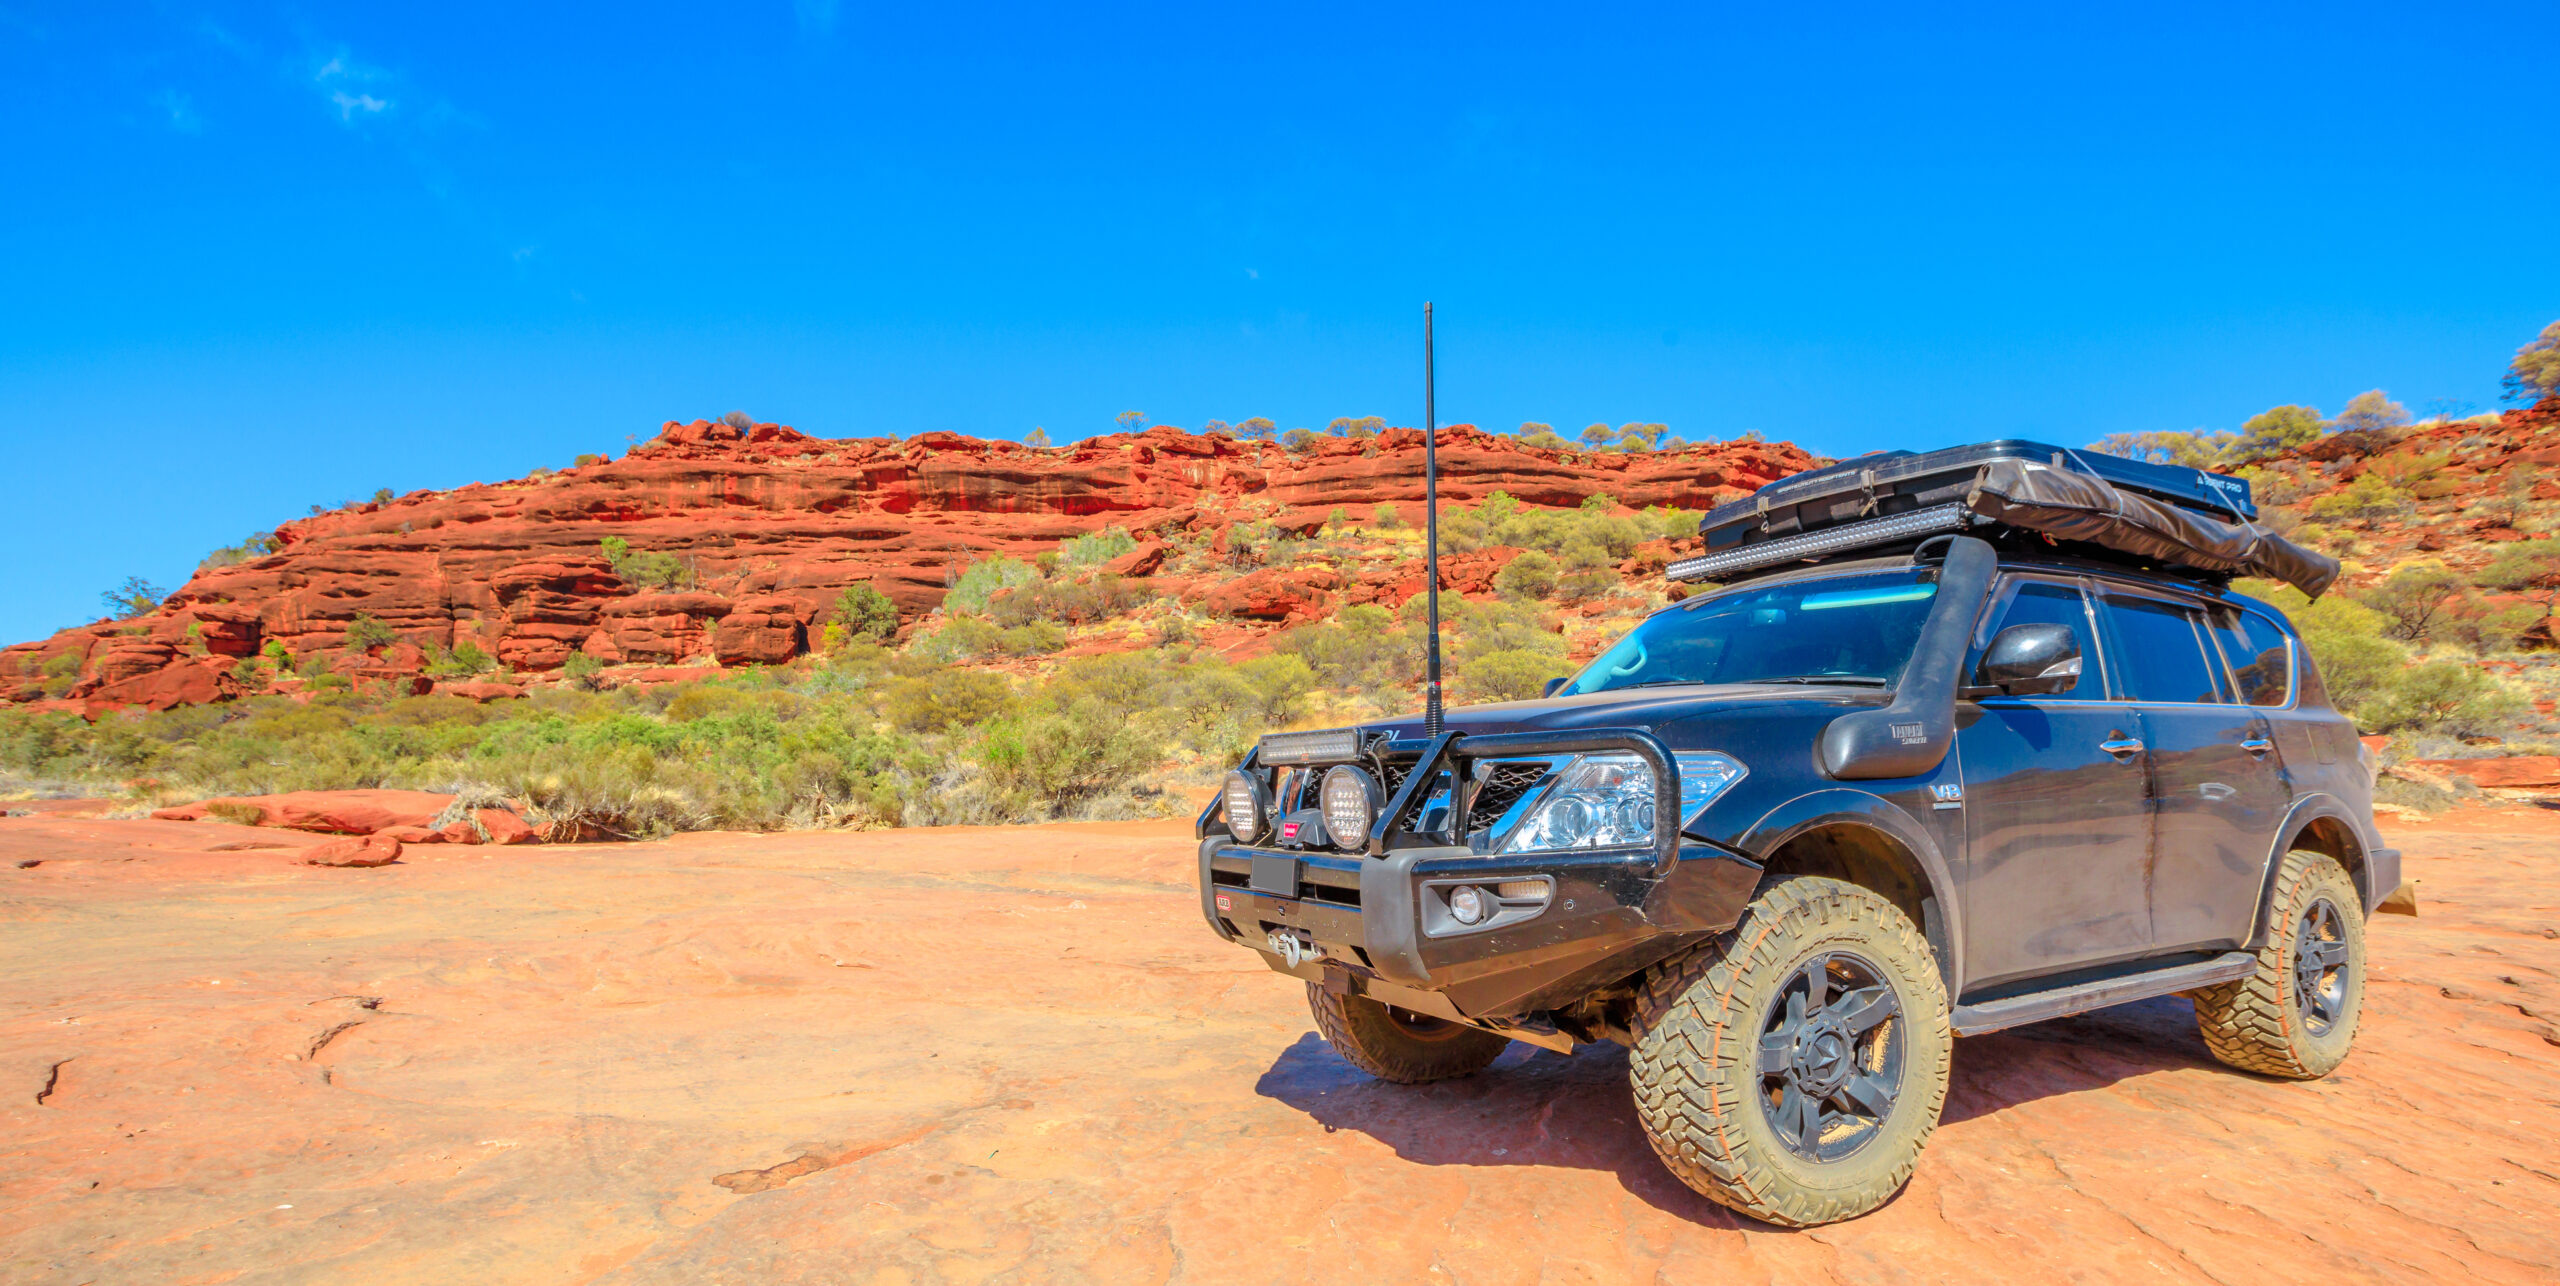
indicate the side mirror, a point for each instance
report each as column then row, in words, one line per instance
column 2032, row 660
column 1553, row 684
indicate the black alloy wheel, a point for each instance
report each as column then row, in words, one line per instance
column 1831, row 1056
column 2320, row 967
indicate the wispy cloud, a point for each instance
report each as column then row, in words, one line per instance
column 341, row 80
column 181, row 111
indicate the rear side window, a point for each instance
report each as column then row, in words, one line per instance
column 2260, row 658
column 2161, row 654
column 2040, row 603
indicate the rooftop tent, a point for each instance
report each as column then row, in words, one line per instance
column 2152, row 513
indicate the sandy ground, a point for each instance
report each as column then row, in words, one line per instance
column 967, row 1055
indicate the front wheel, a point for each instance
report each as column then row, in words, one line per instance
column 1793, row 1067
column 1398, row 1044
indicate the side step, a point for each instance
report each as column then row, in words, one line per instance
column 2036, row 1006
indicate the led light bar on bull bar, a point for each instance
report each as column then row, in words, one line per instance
column 1329, row 747
column 1847, row 536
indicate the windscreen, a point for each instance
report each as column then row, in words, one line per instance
column 1836, row 629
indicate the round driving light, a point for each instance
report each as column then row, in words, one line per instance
column 1467, row 904
column 1350, row 799
column 1244, row 805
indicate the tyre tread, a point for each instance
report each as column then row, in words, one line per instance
column 1691, row 1026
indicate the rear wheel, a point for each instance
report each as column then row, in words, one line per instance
column 2296, row 1016
column 1793, row 1067
column 1398, row 1044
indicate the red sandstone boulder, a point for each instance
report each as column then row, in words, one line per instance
column 1276, row 594
column 340, row 812
column 764, row 630
column 1142, row 561
column 368, row 850
column 491, row 826
column 191, row 681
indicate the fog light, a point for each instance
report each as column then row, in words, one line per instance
column 1521, row 890
column 1466, row 903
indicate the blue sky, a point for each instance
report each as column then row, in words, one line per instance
column 260, row 256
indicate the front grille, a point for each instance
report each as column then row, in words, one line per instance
column 1502, row 786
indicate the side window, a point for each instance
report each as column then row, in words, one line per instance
column 2259, row 656
column 2161, row 654
column 2042, row 603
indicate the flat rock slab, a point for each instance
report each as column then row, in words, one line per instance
column 1018, row 1054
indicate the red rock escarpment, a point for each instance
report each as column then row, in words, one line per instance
column 774, row 524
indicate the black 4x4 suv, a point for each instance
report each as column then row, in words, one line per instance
column 1927, row 767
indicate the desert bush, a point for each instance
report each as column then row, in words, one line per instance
column 960, row 638
column 2412, row 598
column 863, row 612
column 1530, row 575
column 1093, row 597
column 649, row 569
column 1510, row 675
column 1093, row 549
column 2535, row 372
column 950, row 699
column 1039, row 638
column 2443, row 697
column 258, row 545
column 980, row 581
column 365, row 633
column 466, row 659
column 582, row 669
column 2369, row 496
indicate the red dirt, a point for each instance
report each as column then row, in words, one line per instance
column 1014, row 1054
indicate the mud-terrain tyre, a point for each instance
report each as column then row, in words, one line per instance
column 2296, row 1016
column 1399, row 1045
column 1732, row 1054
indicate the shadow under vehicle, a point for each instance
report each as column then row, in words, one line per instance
column 1960, row 741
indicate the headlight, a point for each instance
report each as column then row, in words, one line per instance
column 1350, row 799
column 1245, row 805
column 1606, row 801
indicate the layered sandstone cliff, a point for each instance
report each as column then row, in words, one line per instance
column 773, row 524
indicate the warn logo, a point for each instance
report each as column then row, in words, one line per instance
column 1910, row 734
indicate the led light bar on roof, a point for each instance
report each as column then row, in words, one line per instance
column 1819, row 544
column 1329, row 747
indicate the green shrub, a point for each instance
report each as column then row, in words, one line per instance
column 1039, row 638
column 980, row 581
column 1386, row 517
column 2445, row 697
column 1511, row 675
column 647, row 569
column 950, row 699
column 1530, row 575
column 466, row 659
column 2412, row 598
column 864, row 613
column 2369, row 496
column 1096, row 548
column 365, row 633
column 959, row 639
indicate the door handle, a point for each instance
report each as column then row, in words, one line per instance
column 2121, row 747
column 2258, row 746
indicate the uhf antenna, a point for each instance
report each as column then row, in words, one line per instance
column 1430, row 536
